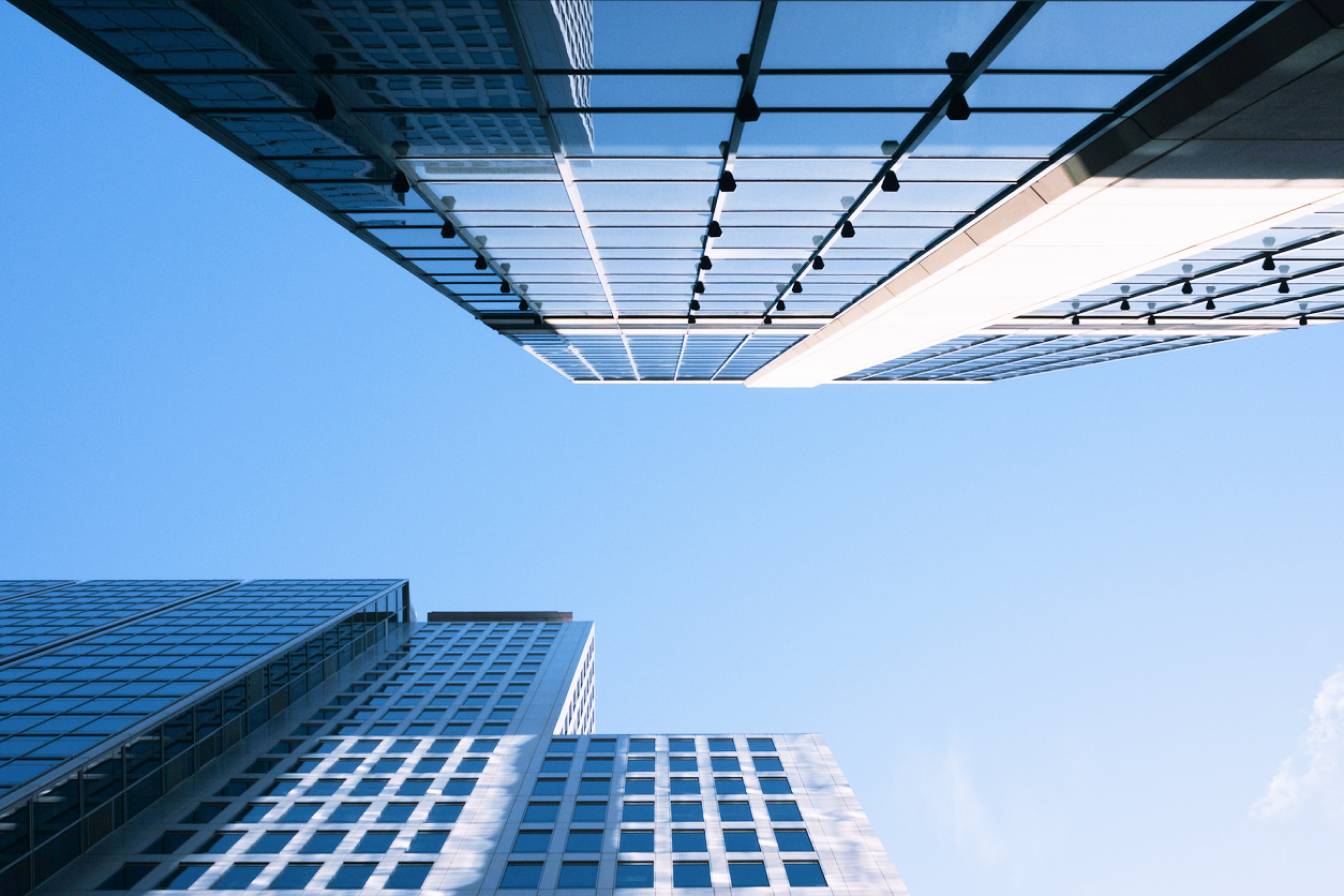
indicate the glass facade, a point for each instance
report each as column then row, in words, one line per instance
column 680, row 209
column 115, row 711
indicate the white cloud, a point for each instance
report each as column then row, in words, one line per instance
column 1314, row 772
column 972, row 828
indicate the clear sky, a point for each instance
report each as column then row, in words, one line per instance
column 1060, row 632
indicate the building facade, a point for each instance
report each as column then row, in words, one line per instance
column 343, row 747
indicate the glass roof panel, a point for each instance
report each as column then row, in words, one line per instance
column 850, row 34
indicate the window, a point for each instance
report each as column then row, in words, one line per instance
column 591, row 811
column 323, row 842
column 684, row 786
column 729, row 786
column 639, row 786
column 348, row 812
column 204, row 813
column 761, row 744
column 747, row 874
column 182, row 877
column 237, row 877
column 689, row 841
column 445, row 812
column 369, row 786
column 376, row 841
column 271, row 841
column 732, row 810
column 428, row 841
column 300, row 812
column 641, row 745
column 253, row 812
column 351, row 876
column 639, row 764
column 577, row 875
column 686, row 811
column 549, row 787
column 344, row 766
column 682, row 763
column 725, row 764
column 634, row 874
column 324, row 787
column 783, row 810
column 471, row 764
column 584, row 840
column 127, row 876
column 294, row 876
column 408, row 876
column 741, row 841
column 394, row 812
column 767, row 763
column 805, row 874
column 793, row 840
column 414, row 787
column 540, row 812
column 483, row 745
column 597, row 764
column 775, row 785
column 636, row 811
column 721, row 745
column 594, row 786
column 681, row 745
column 636, row 840
column 690, row 874
column 222, row 842
column 521, row 876
column 561, row 746
column 532, row 841
column 428, row 766
column 555, row 764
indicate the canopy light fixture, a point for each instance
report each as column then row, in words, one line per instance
column 714, row 229
column 447, row 231
column 400, row 185
column 818, row 264
column 705, row 263
column 779, row 304
column 504, row 287
column 1187, row 288
column 522, row 304
column 1209, row 306
column 1124, row 304
column 1268, row 263
column 1152, row 320
column 698, row 287
column 1302, row 321
column 323, row 108
column 957, row 109
column 769, row 320
column 747, row 110
column 727, row 183
column 690, row 318
column 890, row 183
column 1283, row 287
column 480, row 262
column 847, row 230
column 796, row 287
column 1074, row 320
column 695, row 304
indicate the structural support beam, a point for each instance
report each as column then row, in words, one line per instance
column 1250, row 140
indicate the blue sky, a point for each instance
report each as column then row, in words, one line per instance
column 1061, row 633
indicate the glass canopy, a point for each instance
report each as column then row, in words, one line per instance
column 636, row 190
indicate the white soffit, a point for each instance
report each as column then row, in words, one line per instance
column 1265, row 154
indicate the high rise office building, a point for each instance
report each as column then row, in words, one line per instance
column 792, row 192
column 310, row 735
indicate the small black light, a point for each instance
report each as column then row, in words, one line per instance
column 769, row 320
column 323, row 108
column 818, row 264
column 698, row 287
column 890, row 183
column 1075, row 320
column 1187, row 288
column 847, row 230
column 705, row 263
column 1283, row 287
column 1268, row 263
column 1124, row 304
column 447, row 231
column 480, row 262
column 522, row 304
column 714, row 229
column 690, row 318
column 536, row 319
column 779, row 305
column 695, row 304
column 796, row 287
column 727, row 183
column 747, row 110
column 1152, row 320
column 957, row 109
column 1209, row 306
column 504, row 286
column 400, row 185
column 1302, row 321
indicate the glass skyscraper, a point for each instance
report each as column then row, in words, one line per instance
column 310, row 735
